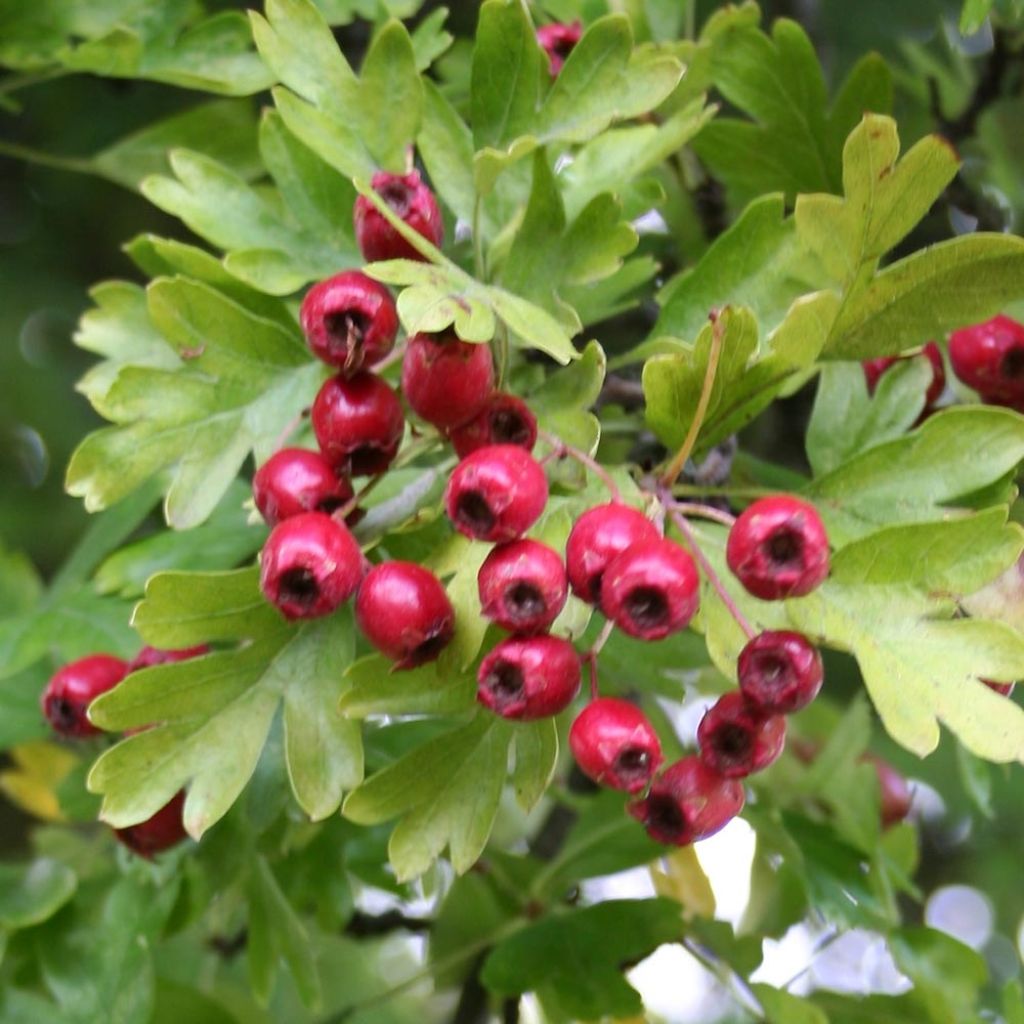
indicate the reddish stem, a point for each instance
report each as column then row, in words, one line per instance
column 561, row 449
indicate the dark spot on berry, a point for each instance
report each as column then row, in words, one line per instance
column 505, row 684
column 366, row 459
column 428, row 649
column 524, row 600
column 1011, row 366
column 329, row 505
column 732, row 743
column 664, row 816
column 785, row 547
column 632, row 765
column 299, row 586
column 564, row 47
column 62, row 714
column 397, row 195
column 647, row 607
column 473, row 512
column 346, row 330
column 508, row 427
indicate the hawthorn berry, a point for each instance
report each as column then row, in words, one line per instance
column 1002, row 688
column 505, row 419
column 894, row 790
column 296, row 480
column 651, row 589
column 779, row 672
column 736, row 740
column 358, row 422
column 163, row 830
column 778, row 548
column 989, row 357
column 349, row 320
column 688, row 802
column 446, row 381
column 522, row 586
column 558, row 40
column 412, row 202
column 309, row 566
column 405, row 613
column 874, row 368
column 496, row 493
column 150, row 656
column 615, row 744
column 74, row 687
column 528, row 677
column 598, row 536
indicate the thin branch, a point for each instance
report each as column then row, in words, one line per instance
column 591, row 656
column 75, row 165
column 562, row 449
column 693, row 508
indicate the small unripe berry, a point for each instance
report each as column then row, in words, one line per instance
column 309, row 566
column 778, row 548
column 615, row 744
column 688, row 802
column 505, row 419
column 496, row 494
column 158, row 833
column 349, row 320
column 74, row 687
column 529, row 677
column 558, row 40
column 446, row 381
column 874, row 368
column 405, row 613
column 651, row 590
column 599, row 535
column 150, row 656
column 989, row 357
column 358, row 424
column 780, row 672
column 412, row 202
column 735, row 740
column 296, row 480
column 522, row 586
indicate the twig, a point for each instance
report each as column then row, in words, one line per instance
column 289, row 428
column 693, row 508
column 591, row 656
column 562, row 449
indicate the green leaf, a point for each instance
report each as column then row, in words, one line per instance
column 446, row 145
column 32, row 894
column 376, row 689
column 973, row 15
column 781, row 1007
column 536, row 746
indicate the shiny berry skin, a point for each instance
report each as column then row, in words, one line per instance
column 412, row 202
column 651, row 590
column 599, row 535
column 496, row 494
column 74, row 687
column 358, row 422
column 1005, row 689
column 529, row 677
column 615, row 745
column 895, row 793
column 150, row 656
column 446, row 382
column 688, row 802
column 505, row 419
column 405, row 613
column 778, row 548
column 989, row 357
column 874, row 368
column 158, row 833
column 296, row 480
column 558, row 41
column 309, row 566
column 780, row 672
column 735, row 740
column 349, row 320
column 522, row 586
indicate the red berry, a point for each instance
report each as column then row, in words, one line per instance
column 989, row 357
column 150, row 656
column 874, row 368
column 446, row 381
column 412, row 202
column 295, row 480
column 349, row 320
column 505, row 419
column 358, row 424
column 310, row 565
column 615, row 745
column 599, row 535
column 896, row 795
column 74, row 687
column 497, row 493
column 778, row 548
column 736, row 740
column 1002, row 688
column 529, row 677
column 780, row 672
column 522, row 586
column 558, row 41
column 158, row 833
column 651, row 590
column 687, row 803
column 405, row 613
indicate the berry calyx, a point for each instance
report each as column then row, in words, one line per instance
column 446, row 381
column 150, row 656
column 309, row 566
column 530, row 677
column 735, row 740
column 874, row 368
column 780, row 672
column 358, row 422
column 615, row 744
column 412, row 202
column 496, row 494
column 74, row 687
column 522, row 586
column 778, row 548
column 405, row 613
column 505, row 419
column 598, row 536
column 163, row 830
column 989, row 357
column 349, row 320
column 688, row 802
column 296, row 480
column 651, row 590
column 558, row 40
